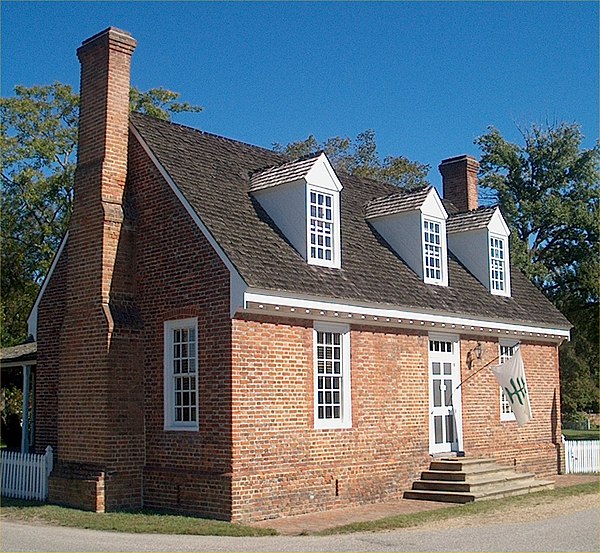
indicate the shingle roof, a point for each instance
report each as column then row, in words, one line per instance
column 21, row 353
column 470, row 220
column 213, row 174
column 397, row 202
column 280, row 174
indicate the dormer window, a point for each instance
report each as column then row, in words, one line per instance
column 414, row 226
column 432, row 246
column 303, row 199
column 497, row 265
column 479, row 238
column 321, row 227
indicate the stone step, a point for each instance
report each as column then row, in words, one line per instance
column 453, row 475
column 524, row 486
column 490, row 481
column 463, row 464
column 462, row 480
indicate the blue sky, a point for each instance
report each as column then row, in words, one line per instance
column 428, row 77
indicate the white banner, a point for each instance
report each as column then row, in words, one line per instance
column 511, row 377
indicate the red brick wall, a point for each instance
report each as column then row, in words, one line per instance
column 179, row 275
column 51, row 312
column 536, row 446
column 283, row 466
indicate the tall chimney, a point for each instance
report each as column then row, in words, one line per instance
column 99, row 428
column 459, row 179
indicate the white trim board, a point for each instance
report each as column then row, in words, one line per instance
column 262, row 301
column 237, row 283
column 33, row 314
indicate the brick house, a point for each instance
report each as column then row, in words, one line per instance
column 229, row 332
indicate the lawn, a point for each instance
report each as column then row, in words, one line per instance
column 581, row 434
column 136, row 522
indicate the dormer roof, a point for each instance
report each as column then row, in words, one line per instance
column 425, row 199
column 482, row 218
column 315, row 169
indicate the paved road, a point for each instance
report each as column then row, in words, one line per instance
column 578, row 531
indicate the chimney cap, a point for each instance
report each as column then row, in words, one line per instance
column 113, row 34
column 456, row 159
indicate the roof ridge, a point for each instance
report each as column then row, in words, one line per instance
column 480, row 209
column 205, row 133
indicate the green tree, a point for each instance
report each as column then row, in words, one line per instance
column 38, row 141
column 548, row 189
column 359, row 157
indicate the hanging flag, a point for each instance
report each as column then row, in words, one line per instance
column 511, row 377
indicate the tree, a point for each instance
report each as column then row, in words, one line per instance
column 548, row 190
column 38, row 140
column 359, row 157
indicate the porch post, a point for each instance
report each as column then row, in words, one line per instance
column 25, row 424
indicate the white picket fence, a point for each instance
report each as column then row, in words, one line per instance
column 582, row 456
column 25, row 475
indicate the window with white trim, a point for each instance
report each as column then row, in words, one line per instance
column 497, row 265
column 181, row 374
column 506, row 351
column 432, row 254
column 332, row 376
column 321, row 227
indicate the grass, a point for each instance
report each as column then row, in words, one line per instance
column 135, row 522
column 468, row 509
column 581, row 434
column 164, row 523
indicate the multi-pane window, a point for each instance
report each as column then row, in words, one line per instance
column 332, row 377
column 181, row 374
column 497, row 265
column 432, row 243
column 321, row 226
column 506, row 352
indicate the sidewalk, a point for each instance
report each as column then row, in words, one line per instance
column 315, row 522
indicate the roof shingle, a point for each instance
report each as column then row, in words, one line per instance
column 213, row 174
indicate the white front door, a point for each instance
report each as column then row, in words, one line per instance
column 445, row 420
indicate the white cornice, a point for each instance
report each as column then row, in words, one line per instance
column 285, row 305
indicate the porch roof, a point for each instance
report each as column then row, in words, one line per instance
column 23, row 354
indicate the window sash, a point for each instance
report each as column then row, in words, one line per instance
column 432, row 250
column 332, row 376
column 506, row 351
column 497, row 264
column 321, row 226
column 181, row 378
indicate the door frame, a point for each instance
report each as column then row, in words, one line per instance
column 456, row 392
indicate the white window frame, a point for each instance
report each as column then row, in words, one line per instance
column 505, row 267
column 334, row 222
column 170, row 422
column 345, row 419
column 441, row 250
column 506, row 412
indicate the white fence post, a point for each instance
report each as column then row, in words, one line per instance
column 25, row 475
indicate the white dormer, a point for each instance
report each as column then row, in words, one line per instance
column 479, row 239
column 303, row 199
column 414, row 225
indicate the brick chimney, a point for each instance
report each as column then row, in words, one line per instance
column 99, row 420
column 459, row 179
